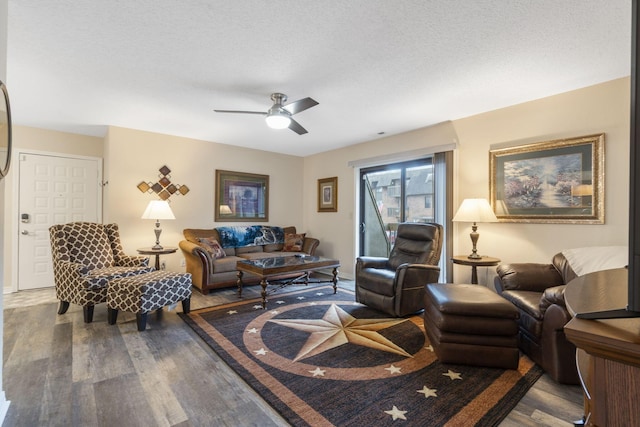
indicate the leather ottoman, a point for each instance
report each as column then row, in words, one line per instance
column 144, row 293
column 471, row 325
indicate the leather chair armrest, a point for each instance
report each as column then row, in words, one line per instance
column 559, row 355
column 198, row 263
column 555, row 318
column 527, row 277
column 132, row 261
column 310, row 244
column 416, row 275
column 371, row 262
column 554, row 295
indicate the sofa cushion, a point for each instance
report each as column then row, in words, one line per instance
column 258, row 255
column 293, row 242
column 213, row 247
column 273, row 247
column 226, row 264
column 248, row 250
column 527, row 301
column 528, row 276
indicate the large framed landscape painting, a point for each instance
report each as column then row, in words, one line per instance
column 560, row 181
column 241, row 196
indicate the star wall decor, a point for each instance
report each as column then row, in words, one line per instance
column 164, row 188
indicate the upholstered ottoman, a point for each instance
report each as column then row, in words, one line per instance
column 145, row 293
column 471, row 325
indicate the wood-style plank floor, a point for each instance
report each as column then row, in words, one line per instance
column 60, row 371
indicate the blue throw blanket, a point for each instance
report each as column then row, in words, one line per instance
column 252, row 235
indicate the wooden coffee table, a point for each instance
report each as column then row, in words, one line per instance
column 273, row 267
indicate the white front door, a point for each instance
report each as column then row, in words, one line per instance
column 52, row 190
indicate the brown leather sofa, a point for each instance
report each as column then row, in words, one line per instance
column 211, row 273
column 537, row 290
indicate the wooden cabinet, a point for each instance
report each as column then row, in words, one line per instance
column 608, row 350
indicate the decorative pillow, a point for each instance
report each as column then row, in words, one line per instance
column 213, row 247
column 293, row 242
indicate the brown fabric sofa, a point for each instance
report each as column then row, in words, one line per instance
column 537, row 290
column 211, row 273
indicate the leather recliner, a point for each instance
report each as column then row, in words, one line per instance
column 537, row 290
column 396, row 285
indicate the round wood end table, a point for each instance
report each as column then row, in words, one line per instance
column 157, row 252
column 485, row 261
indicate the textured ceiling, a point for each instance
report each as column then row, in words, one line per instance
column 373, row 65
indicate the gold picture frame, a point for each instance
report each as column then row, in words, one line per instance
column 559, row 181
column 241, row 196
column 328, row 194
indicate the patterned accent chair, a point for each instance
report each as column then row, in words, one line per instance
column 396, row 285
column 85, row 257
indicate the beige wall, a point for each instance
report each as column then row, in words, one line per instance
column 337, row 231
column 34, row 139
column 597, row 109
column 133, row 156
column 601, row 108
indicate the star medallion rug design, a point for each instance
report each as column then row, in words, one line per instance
column 321, row 359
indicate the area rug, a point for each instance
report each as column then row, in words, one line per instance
column 323, row 360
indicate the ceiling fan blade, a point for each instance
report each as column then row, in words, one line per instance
column 295, row 126
column 241, row 112
column 300, row 105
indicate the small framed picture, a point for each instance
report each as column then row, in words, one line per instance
column 328, row 194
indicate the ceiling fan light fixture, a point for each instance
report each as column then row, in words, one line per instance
column 278, row 121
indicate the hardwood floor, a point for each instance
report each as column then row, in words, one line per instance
column 60, row 371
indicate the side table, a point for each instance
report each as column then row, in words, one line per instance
column 485, row 261
column 157, row 253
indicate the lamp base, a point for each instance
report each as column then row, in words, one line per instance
column 474, row 240
column 157, row 231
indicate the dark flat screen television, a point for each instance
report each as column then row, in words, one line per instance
column 633, row 299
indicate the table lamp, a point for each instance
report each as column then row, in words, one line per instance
column 158, row 209
column 475, row 210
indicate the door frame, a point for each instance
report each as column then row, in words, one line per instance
column 14, row 228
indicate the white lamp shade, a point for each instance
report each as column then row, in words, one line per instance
column 158, row 209
column 278, row 121
column 475, row 210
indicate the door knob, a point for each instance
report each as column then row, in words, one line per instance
column 25, row 232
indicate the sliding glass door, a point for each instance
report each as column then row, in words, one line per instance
column 413, row 191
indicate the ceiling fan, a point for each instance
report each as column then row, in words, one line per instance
column 279, row 115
